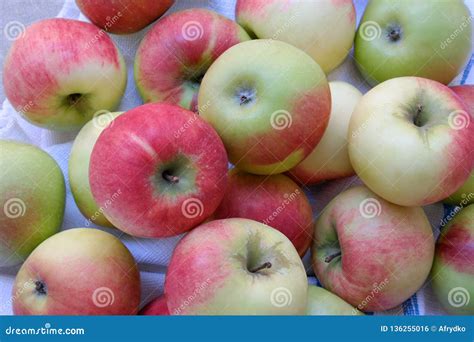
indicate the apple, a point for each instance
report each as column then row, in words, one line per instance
column 452, row 275
column 410, row 141
column 175, row 54
column 321, row 302
column 275, row 200
column 430, row 39
column 308, row 25
column 158, row 170
column 79, row 161
column 79, row 271
column 370, row 252
column 235, row 267
column 157, row 307
column 32, row 200
column 330, row 158
column 61, row 72
column 465, row 194
column 269, row 102
column 123, row 16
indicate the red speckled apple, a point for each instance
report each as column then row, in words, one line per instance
column 157, row 307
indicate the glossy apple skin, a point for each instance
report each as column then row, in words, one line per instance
column 453, row 266
column 209, row 272
column 32, row 200
column 57, row 60
column 385, row 257
column 303, row 24
column 157, row 307
column 321, row 302
column 465, row 194
column 111, row 287
column 409, row 157
column 123, row 16
column 330, row 158
column 422, row 48
column 270, row 113
column 178, row 50
column 131, row 157
column 79, row 161
column 276, row 201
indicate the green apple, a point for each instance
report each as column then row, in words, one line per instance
column 322, row 302
column 32, row 199
column 453, row 267
column 430, row 39
column 79, row 161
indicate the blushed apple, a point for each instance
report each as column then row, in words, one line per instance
column 370, row 252
column 275, row 200
column 308, row 25
column 79, row 161
column 32, row 199
column 236, row 267
column 123, row 16
column 158, row 170
column 410, row 141
column 175, row 54
column 321, row 302
column 79, row 271
column 270, row 112
column 453, row 267
column 62, row 71
column 430, row 39
column 157, row 307
column 330, row 158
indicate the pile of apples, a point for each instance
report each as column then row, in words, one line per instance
column 252, row 93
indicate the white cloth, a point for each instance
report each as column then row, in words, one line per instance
column 153, row 255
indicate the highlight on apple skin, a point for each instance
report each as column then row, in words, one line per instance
column 52, row 282
column 175, row 54
column 321, row 302
column 413, row 38
column 236, row 267
column 330, row 158
column 270, row 113
column 275, row 200
column 157, row 307
column 123, row 16
column 410, row 141
column 465, row 194
column 324, row 29
column 32, row 198
column 79, row 161
column 61, row 72
column 370, row 252
column 453, row 267
column 158, row 170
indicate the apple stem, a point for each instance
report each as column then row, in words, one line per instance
column 261, row 267
column 170, row 178
column 330, row 257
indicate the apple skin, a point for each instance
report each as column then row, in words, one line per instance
column 178, row 50
column 330, row 158
column 157, row 307
column 79, row 161
column 321, row 302
column 392, row 41
column 270, row 113
column 209, row 272
column 260, row 198
column 303, row 24
column 410, row 141
column 123, row 16
column 158, row 170
column 453, row 266
column 63, row 71
column 32, row 200
column 58, row 266
column 465, row 194
column 386, row 250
